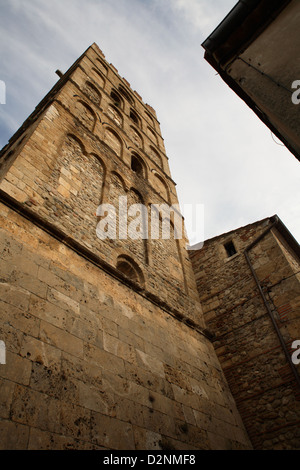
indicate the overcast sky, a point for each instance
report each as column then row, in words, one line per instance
column 220, row 153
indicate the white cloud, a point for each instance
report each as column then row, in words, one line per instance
column 202, row 14
column 196, row 12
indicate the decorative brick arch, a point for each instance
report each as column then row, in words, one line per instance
column 92, row 92
column 115, row 115
column 117, row 179
column 114, row 141
column 126, row 95
column 137, row 137
column 150, row 119
column 104, row 174
column 85, row 114
column 156, row 157
column 161, row 186
column 99, row 77
column 152, row 136
column 101, row 66
column 72, row 137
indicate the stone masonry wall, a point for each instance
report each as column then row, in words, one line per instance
column 75, row 155
column 92, row 364
column 246, row 343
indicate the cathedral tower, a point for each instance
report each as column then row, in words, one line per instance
column 91, row 142
column 106, row 346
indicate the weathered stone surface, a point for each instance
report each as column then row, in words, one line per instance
column 246, row 342
column 102, row 358
column 70, row 378
column 13, row 436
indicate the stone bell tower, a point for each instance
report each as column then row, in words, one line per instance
column 93, row 141
column 106, row 345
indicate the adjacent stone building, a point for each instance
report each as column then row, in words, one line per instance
column 248, row 279
column 106, row 346
column 249, row 286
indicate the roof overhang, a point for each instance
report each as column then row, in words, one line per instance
column 239, row 28
column 244, row 23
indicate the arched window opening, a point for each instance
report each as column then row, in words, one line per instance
column 130, row 269
column 137, row 166
column 134, row 118
column 125, row 268
column 116, row 99
column 125, row 94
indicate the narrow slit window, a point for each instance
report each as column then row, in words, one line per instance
column 230, row 249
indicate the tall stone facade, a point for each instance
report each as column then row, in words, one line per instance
column 106, row 345
column 249, row 286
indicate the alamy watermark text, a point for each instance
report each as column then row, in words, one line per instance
column 155, row 222
column 2, row 353
column 296, row 94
